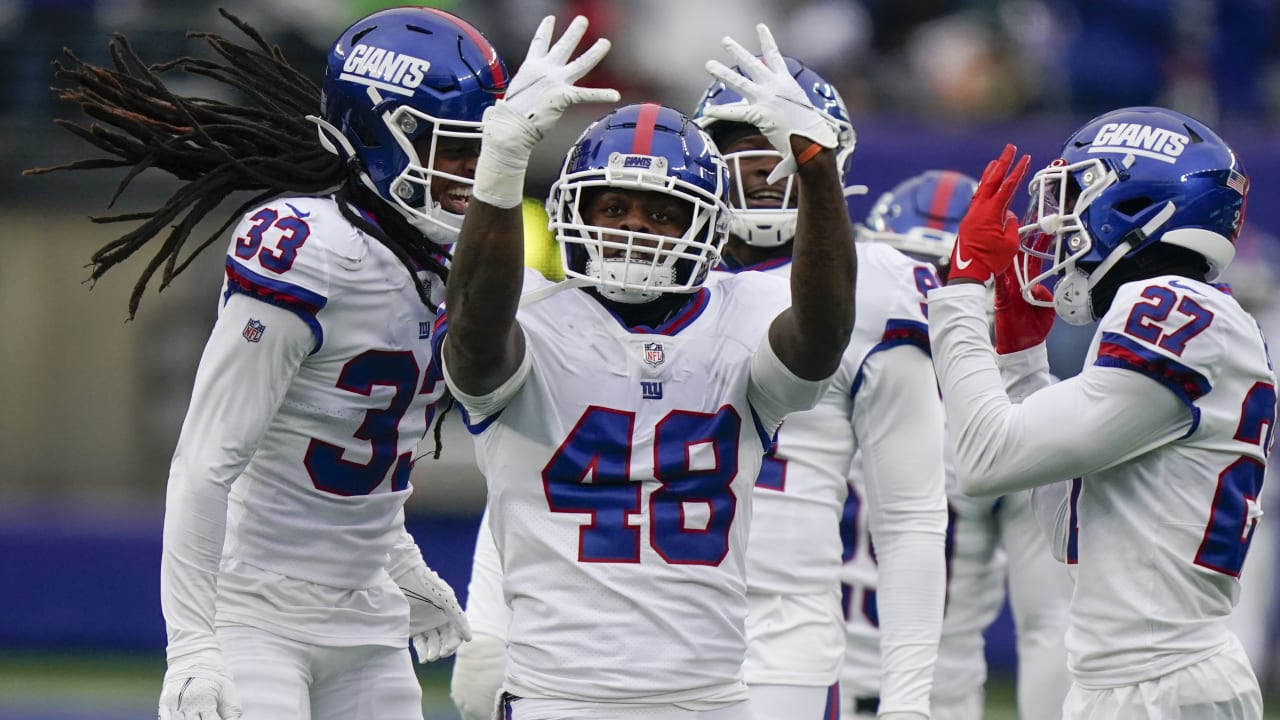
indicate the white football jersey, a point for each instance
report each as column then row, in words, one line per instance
column 1160, row 538
column 1161, row 516
column 619, row 464
column 796, row 543
column 314, row 434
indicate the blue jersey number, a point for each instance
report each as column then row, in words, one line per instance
column 326, row 463
column 1235, row 503
column 1144, row 316
column 591, row 474
column 293, row 233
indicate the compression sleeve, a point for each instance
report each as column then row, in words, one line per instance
column 898, row 420
column 1077, row 427
column 239, row 386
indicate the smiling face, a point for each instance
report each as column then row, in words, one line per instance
column 453, row 156
column 751, row 158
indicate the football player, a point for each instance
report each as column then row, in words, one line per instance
column 882, row 401
column 621, row 424
column 1166, row 429
column 289, row 585
column 989, row 538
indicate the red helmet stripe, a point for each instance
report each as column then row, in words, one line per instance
column 645, row 124
column 942, row 198
column 495, row 67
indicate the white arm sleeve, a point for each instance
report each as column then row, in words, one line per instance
column 481, row 663
column 898, row 420
column 480, row 407
column 405, row 553
column 487, row 608
column 239, row 386
column 774, row 391
column 1040, row 595
column 1099, row 418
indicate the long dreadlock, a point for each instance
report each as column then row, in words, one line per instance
column 216, row 148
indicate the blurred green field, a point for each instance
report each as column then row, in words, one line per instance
column 46, row 686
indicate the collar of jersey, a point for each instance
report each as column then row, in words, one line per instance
column 678, row 321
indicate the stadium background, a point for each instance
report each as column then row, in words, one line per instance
column 93, row 403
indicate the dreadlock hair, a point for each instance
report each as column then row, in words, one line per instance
column 217, row 148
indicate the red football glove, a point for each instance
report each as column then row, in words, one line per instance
column 988, row 236
column 1019, row 324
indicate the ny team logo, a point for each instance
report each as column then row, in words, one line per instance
column 653, row 354
column 253, row 330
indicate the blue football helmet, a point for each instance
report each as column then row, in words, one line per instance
column 644, row 147
column 395, row 77
column 921, row 215
column 776, row 224
column 1129, row 182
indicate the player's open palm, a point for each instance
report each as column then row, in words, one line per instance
column 987, row 238
column 543, row 87
column 198, row 693
column 776, row 104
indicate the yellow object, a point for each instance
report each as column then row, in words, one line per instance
column 541, row 251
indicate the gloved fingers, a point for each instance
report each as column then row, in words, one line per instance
column 769, row 49
column 541, row 41
column 563, row 48
column 1010, row 185
column 733, row 113
column 585, row 62
column 749, row 63
column 783, row 169
column 449, row 640
column 577, row 95
column 732, row 80
column 989, row 183
column 427, row 645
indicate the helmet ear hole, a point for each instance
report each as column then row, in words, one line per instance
column 1133, row 206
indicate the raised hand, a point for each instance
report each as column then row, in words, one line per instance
column 775, row 102
column 437, row 624
column 544, row 85
column 1019, row 324
column 536, row 97
column 199, row 691
column 987, row 238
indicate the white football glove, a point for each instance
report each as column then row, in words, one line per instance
column 537, row 96
column 775, row 102
column 478, row 671
column 199, row 689
column 437, row 625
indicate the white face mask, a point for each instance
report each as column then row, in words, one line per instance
column 1071, row 298
column 622, row 281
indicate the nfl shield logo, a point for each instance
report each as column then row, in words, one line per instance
column 653, row 354
column 253, row 331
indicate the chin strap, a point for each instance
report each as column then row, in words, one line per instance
column 332, row 139
column 543, row 293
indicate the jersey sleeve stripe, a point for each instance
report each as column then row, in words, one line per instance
column 767, row 439
column 1118, row 351
column 476, row 428
column 905, row 332
column 896, row 332
column 300, row 301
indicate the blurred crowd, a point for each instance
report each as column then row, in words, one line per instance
column 957, row 60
